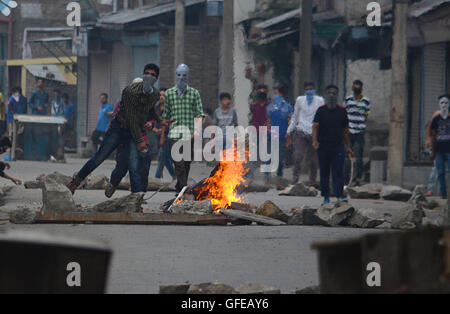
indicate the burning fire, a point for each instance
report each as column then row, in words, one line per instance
column 221, row 188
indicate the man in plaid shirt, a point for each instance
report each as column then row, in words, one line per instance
column 183, row 105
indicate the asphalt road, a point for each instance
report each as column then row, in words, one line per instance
column 146, row 257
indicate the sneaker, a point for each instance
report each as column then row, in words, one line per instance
column 110, row 190
column 73, row 185
column 326, row 201
column 429, row 194
column 343, row 199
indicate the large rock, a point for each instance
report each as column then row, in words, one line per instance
column 300, row 190
column 56, row 177
column 193, row 208
column 131, row 203
column 211, row 288
column 334, row 215
column 366, row 218
column 23, row 216
column 409, row 218
column 94, row 182
column 57, row 198
column 269, row 209
column 395, row 193
column 304, row 216
column 434, row 218
column 419, row 198
column 368, row 191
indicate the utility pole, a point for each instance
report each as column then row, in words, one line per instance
column 228, row 47
column 305, row 43
column 179, row 31
column 399, row 96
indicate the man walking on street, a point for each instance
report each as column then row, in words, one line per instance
column 136, row 108
column 279, row 114
column 183, row 105
column 358, row 109
column 331, row 140
column 300, row 132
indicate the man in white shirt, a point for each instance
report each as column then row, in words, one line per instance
column 300, row 132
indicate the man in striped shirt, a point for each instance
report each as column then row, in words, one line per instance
column 358, row 108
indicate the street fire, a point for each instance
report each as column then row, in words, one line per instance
column 221, row 186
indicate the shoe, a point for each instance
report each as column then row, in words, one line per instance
column 326, row 201
column 73, row 185
column 429, row 194
column 110, row 190
column 343, row 199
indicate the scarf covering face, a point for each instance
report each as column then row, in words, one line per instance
column 16, row 97
column 182, row 76
column 148, row 83
column 310, row 96
column 444, row 104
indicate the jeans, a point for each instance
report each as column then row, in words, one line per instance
column 357, row 143
column 442, row 161
column 282, row 159
column 432, row 179
column 303, row 148
column 165, row 160
column 115, row 137
column 121, row 168
column 331, row 160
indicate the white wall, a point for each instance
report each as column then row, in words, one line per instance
column 242, row 58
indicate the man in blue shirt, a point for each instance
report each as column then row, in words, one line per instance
column 279, row 114
column 104, row 117
column 39, row 99
column 69, row 113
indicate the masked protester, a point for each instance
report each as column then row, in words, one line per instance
column 331, row 140
column 440, row 134
column 183, row 104
column 300, row 132
column 136, row 108
column 258, row 111
column 358, row 108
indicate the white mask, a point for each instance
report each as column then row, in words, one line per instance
column 444, row 104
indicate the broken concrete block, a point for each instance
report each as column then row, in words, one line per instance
column 193, row 207
column 269, row 209
column 368, row 191
column 57, row 198
column 395, row 193
column 23, row 216
column 128, row 204
column 93, row 182
column 211, row 288
column 366, row 218
column 300, row 190
column 419, row 198
column 33, row 185
column 334, row 215
column 256, row 288
column 434, row 218
column 174, row 289
column 304, row 216
column 409, row 218
column 55, row 177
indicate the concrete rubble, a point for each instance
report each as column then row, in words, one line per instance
column 218, row 288
column 193, row 208
column 301, row 190
column 269, row 209
column 368, row 191
column 57, row 198
column 23, row 216
column 395, row 193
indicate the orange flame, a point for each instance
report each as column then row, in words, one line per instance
column 221, row 188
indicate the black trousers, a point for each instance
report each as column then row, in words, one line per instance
column 182, row 168
column 331, row 161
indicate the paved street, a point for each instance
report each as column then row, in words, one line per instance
column 148, row 256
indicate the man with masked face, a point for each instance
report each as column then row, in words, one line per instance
column 183, row 104
column 440, row 131
column 331, row 140
column 358, row 108
column 300, row 132
column 136, row 108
